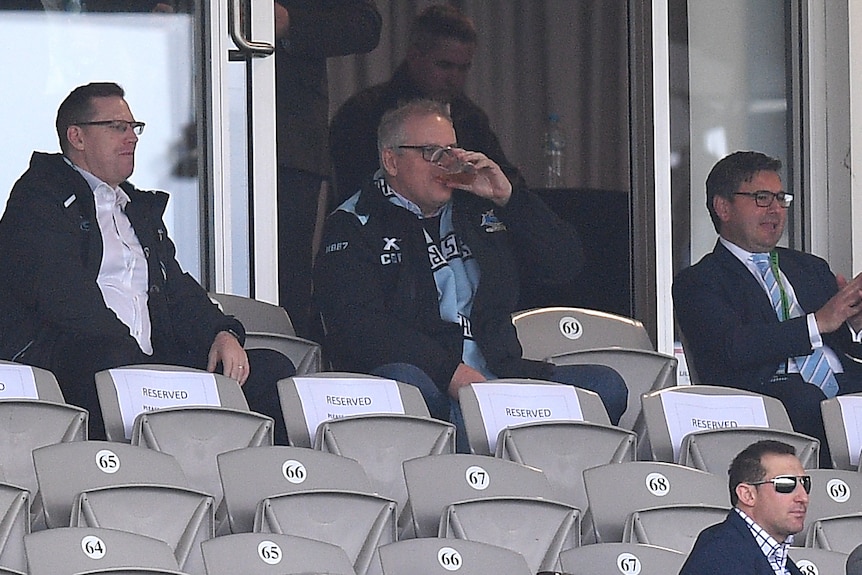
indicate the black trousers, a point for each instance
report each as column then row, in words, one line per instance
column 76, row 360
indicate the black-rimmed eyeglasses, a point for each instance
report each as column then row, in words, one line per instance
column 786, row 483
column 117, row 125
column 764, row 198
column 430, row 152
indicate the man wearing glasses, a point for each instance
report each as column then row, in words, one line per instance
column 418, row 272
column 88, row 277
column 763, row 318
column 769, row 493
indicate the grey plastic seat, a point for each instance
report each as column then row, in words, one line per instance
column 382, row 442
column 268, row 326
column 255, row 315
column 27, row 423
column 46, row 386
column 278, row 470
column 434, row 556
column 196, row 436
column 273, row 554
column 642, row 370
column 617, row 490
column 14, row 525
column 436, row 481
column 714, row 449
column 536, row 528
column 72, row 550
column 180, row 517
column 839, row 416
column 356, row 522
column 557, row 448
column 230, row 395
column 674, row 526
column 296, row 415
column 621, row 558
column 819, row 561
column 548, row 331
column 132, row 571
column 66, row 469
column 840, row 533
column 560, row 398
column 833, row 492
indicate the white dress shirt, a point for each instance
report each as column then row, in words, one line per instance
column 123, row 277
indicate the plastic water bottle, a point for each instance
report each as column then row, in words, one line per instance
column 554, row 148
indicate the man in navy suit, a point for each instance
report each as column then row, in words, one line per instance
column 734, row 333
column 769, row 493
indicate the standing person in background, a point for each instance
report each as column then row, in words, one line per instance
column 442, row 44
column 308, row 32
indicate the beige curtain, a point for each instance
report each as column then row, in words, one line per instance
column 534, row 57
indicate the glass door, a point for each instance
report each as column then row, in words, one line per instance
column 201, row 96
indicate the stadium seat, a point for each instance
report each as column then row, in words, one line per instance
column 621, row 558
column 382, row 442
column 273, row 554
column 31, row 420
column 557, row 448
column 268, row 326
column 356, row 522
column 64, row 470
column 487, row 406
column 536, row 528
column 119, row 414
column 729, row 419
column 819, row 561
column 642, row 370
column 839, row 533
column 673, row 526
column 617, row 490
column 379, row 395
column 278, row 470
column 842, row 417
column 436, row 481
column 14, row 525
column 180, row 517
column 433, row 556
column 73, row 550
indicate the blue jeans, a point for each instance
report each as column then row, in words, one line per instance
column 599, row 378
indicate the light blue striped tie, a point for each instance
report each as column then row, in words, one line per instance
column 814, row 368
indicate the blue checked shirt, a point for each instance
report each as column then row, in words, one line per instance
column 774, row 551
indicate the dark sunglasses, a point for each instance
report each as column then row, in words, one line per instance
column 787, row 483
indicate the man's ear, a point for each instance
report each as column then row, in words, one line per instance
column 75, row 136
column 722, row 207
column 389, row 160
column 747, row 494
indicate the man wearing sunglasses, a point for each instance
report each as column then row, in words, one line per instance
column 764, row 318
column 88, row 275
column 769, row 493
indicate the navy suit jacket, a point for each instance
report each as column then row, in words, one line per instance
column 729, row 548
column 732, row 333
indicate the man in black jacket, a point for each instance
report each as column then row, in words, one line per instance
column 88, row 275
column 418, row 276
